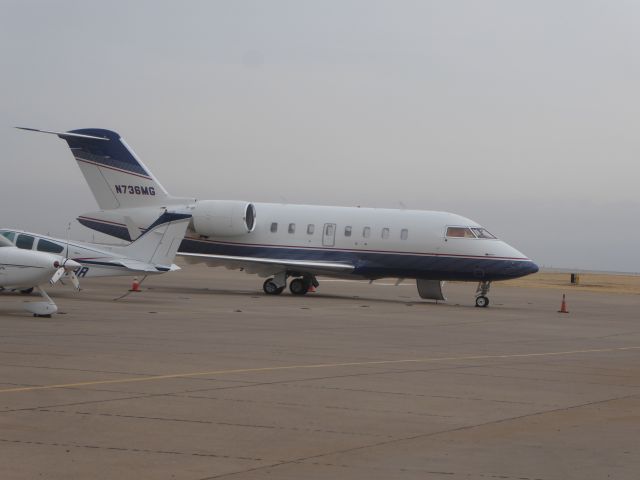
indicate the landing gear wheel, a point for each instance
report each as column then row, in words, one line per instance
column 482, row 301
column 270, row 287
column 299, row 286
column 27, row 291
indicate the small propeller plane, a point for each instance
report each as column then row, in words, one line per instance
column 294, row 241
column 28, row 260
column 28, row 270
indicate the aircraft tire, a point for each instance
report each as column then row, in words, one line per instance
column 270, row 288
column 26, row 291
column 298, row 286
column 482, row 301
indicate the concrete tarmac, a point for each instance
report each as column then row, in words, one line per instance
column 202, row 376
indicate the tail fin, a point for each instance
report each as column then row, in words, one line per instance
column 159, row 244
column 116, row 176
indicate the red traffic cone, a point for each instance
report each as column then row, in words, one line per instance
column 563, row 306
column 135, row 286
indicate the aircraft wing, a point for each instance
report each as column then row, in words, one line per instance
column 137, row 265
column 129, row 264
column 268, row 266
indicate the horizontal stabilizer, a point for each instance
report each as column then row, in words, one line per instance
column 63, row 135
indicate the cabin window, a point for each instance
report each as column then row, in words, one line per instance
column 25, row 242
column 274, row 227
column 482, row 233
column 460, row 232
column 9, row 236
column 404, row 234
column 347, row 231
column 49, row 247
column 385, row 233
column 292, row 228
column 366, row 232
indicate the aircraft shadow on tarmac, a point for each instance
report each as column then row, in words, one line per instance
column 12, row 298
column 309, row 297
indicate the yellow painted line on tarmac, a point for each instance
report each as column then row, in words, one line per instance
column 312, row 366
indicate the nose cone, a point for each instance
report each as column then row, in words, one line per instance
column 520, row 265
column 530, row 268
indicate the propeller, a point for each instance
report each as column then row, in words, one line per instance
column 67, row 266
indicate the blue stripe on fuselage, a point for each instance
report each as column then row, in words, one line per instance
column 367, row 264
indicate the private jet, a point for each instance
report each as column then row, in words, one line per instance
column 301, row 242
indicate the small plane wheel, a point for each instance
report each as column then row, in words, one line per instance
column 482, row 301
column 26, row 291
column 270, row 288
column 298, row 286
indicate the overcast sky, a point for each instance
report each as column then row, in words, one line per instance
column 522, row 115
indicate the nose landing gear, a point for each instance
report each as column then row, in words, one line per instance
column 481, row 294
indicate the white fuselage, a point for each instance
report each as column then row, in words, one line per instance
column 26, row 269
column 379, row 242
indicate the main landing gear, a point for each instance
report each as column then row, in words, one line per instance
column 481, row 294
column 271, row 288
column 298, row 286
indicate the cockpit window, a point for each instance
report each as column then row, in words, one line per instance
column 460, row 232
column 25, row 241
column 9, row 235
column 49, row 247
column 4, row 242
column 482, row 233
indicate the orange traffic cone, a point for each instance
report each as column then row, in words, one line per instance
column 563, row 307
column 135, row 286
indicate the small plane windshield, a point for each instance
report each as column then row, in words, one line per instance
column 4, row 242
column 8, row 235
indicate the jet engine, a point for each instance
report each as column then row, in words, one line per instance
column 223, row 218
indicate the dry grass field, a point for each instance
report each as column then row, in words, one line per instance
column 589, row 282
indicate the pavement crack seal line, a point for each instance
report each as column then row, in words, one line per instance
column 420, row 436
column 316, row 366
column 211, row 422
column 125, row 449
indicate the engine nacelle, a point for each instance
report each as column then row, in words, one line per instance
column 223, row 218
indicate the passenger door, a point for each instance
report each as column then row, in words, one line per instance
column 329, row 235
